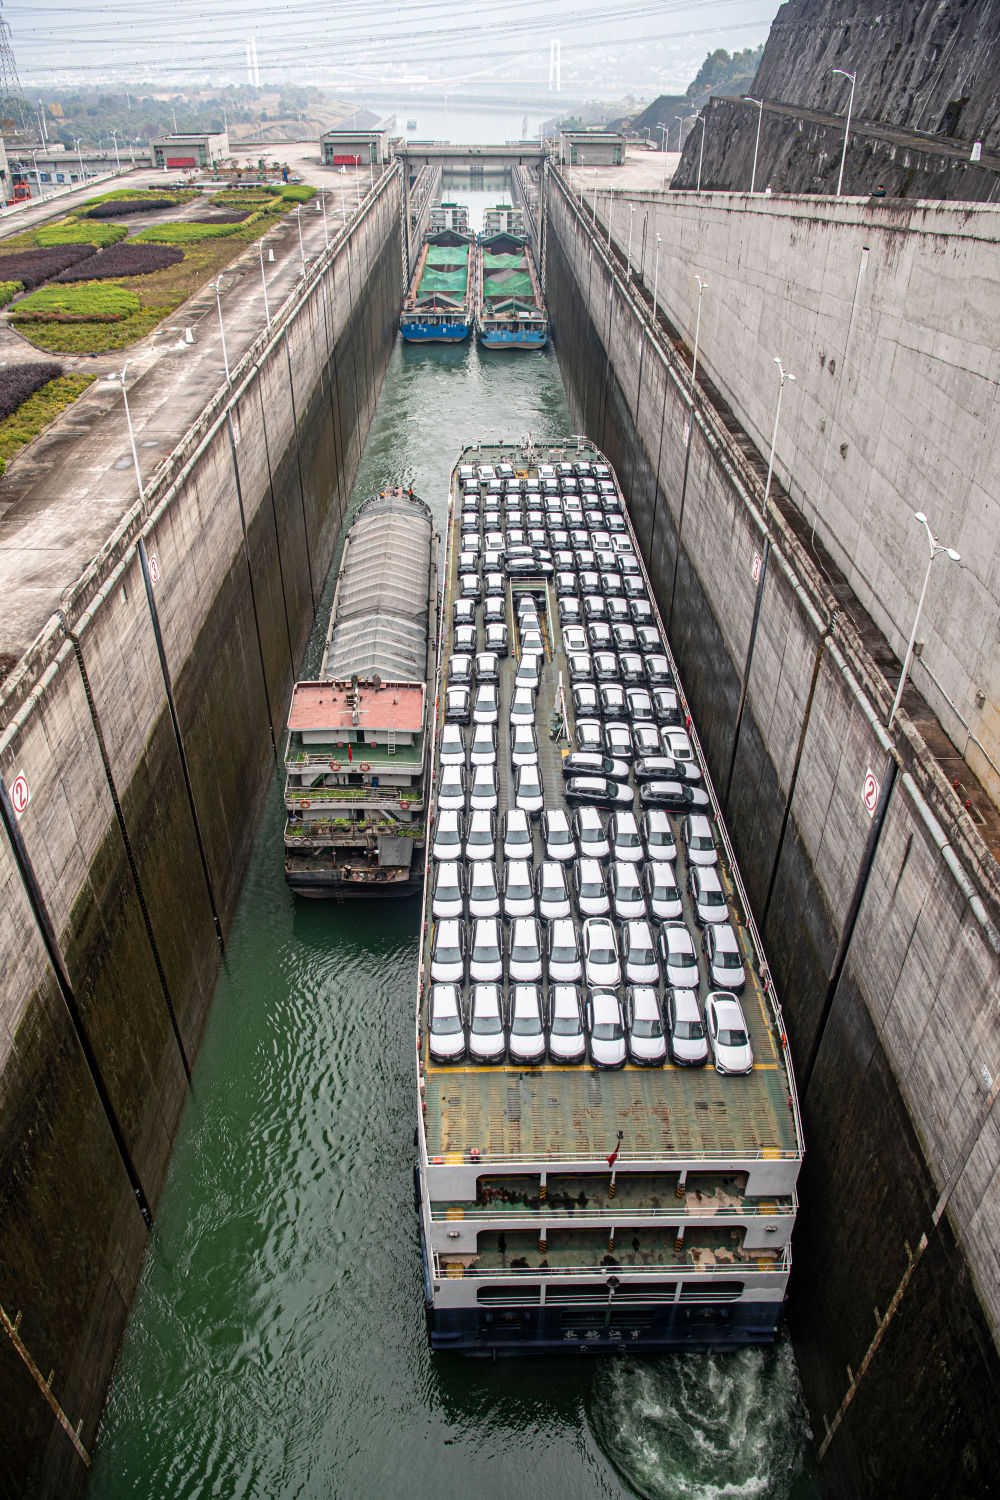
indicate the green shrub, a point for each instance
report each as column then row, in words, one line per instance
column 37, row 412
column 74, row 232
column 85, row 302
column 189, row 234
column 9, row 289
column 295, row 192
column 243, row 198
column 151, row 192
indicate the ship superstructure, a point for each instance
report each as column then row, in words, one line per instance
column 504, row 218
column 592, row 1180
column 438, row 306
column 448, row 216
column 357, row 758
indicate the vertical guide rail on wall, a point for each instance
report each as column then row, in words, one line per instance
column 680, row 508
column 274, row 518
column 140, row 894
column 169, row 691
column 765, row 553
column 253, row 592
column 298, row 461
column 44, row 923
column 12, row 1329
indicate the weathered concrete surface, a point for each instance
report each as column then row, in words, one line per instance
column 132, row 900
column 889, row 983
column 888, row 318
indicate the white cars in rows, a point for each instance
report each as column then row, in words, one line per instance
column 557, row 836
column 662, row 893
column 625, row 889
column 567, row 1041
column 589, row 889
column 452, row 748
column 647, row 1045
column 687, row 1043
column 600, row 954
column 449, row 898
column 550, row 890
column 526, row 1039
column 518, row 892
column 524, row 961
column 484, row 901
column 565, row 966
column 699, row 841
column 722, row 954
column 448, row 952
column 639, row 953
column 447, row 836
column 487, row 1043
column 516, row 834
column 727, row 1034
column 606, row 1029
column 679, row 956
column 485, row 955
column 445, row 1032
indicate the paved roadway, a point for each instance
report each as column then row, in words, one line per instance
column 65, row 493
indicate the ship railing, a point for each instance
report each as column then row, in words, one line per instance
column 662, row 1160
column 305, row 765
column 719, row 1213
column 742, row 1267
column 322, row 796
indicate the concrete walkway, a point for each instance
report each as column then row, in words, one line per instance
column 66, row 492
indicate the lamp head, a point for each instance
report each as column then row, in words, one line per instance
column 955, row 556
column 918, row 515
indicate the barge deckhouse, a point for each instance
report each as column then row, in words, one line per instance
column 510, row 308
column 598, row 1183
column 357, row 759
column 438, row 306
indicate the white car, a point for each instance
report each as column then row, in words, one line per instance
column 647, row 1045
column 557, row 836
column 662, row 892
column 676, row 743
column 524, row 963
column 456, row 705
column 451, row 789
column 447, row 836
column 658, row 834
column 449, row 898
column 486, row 709
column 688, row 1045
column 639, row 953
column 451, row 751
column 589, row 737
column 550, row 889
column 727, row 1034
column 516, row 834
column 522, row 706
column 723, row 956
column 480, row 836
column 518, row 891
column 523, row 744
column 606, row 1028
column 565, row 966
column 487, row 1042
column 699, row 841
column 680, row 957
column 591, row 835
column 485, row 956
column 528, row 789
column 567, row 1040
column 526, row 1040
column 628, row 899
column 707, row 895
column 574, row 639
column 483, row 789
column 448, row 952
column 483, row 898
column 589, row 888
column 529, row 671
column 445, row 1032
column 483, row 750
column 626, row 840
column 600, row 954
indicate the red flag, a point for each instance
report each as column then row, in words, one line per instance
column 349, row 755
column 614, row 1155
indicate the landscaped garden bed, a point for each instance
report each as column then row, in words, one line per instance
column 32, row 396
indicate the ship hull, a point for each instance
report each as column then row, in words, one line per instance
column 434, row 333
column 498, row 339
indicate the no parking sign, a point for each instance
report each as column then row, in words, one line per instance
column 20, row 794
column 870, row 792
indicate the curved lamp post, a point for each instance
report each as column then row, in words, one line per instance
column 934, row 547
column 217, row 285
column 760, row 115
column 847, row 129
column 702, row 285
column 784, row 375
column 120, row 375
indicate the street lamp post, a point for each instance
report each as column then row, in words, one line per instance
column 760, row 115
column 664, row 131
column 263, row 282
column 118, row 160
column 131, row 435
column 76, row 143
column 680, row 132
column 302, row 249
column 656, row 273
column 697, row 330
column 847, row 128
column 595, row 197
column 217, row 284
column 784, row 375
column 934, row 547
column 628, row 263
column 611, row 209
column 321, row 208
column 343, row 199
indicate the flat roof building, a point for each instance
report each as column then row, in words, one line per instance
column 48, row 167
column 591, row 148
column 186, row 150
column 352, row 148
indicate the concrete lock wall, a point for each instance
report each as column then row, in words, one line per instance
column 881, row 945
column 888, row 317
column 139, row 881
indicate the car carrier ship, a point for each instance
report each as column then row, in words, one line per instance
column 438, row 306
column 357, row 758
column 510, row 308
column 609, row 1136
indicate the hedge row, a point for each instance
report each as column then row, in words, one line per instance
column 117, row 208
column 9, row 289
column 38, row 410
column 90, row 302
column 32, row 267
column 18, row 382
column 122, row 260
column 73, row 231
column 294, row 192
column 188, row 233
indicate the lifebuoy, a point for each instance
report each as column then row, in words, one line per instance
column 335, row 765
column 364, row 766
column 305, row 802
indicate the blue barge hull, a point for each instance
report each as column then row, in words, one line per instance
column 434, row 333
column 528, row 338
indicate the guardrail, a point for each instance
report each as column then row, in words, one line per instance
column 758, row 1266
column 719, row 1213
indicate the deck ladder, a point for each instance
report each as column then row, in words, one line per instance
column 392, row 738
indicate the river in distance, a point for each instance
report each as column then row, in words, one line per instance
column 276, row 1347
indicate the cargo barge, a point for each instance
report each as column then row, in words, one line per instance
column 609, row 1136
column 510, row 308
column 357, row 757
column 438, row 306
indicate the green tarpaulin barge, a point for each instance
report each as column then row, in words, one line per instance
column 510, row 309
column 437, row 307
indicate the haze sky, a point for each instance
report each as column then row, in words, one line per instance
column 347, row 42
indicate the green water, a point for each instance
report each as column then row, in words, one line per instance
column 276, row 1347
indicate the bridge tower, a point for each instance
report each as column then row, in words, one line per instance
column 555, row 66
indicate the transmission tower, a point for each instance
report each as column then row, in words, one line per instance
column 12, row 101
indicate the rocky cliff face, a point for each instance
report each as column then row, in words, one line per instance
column 929, row 65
